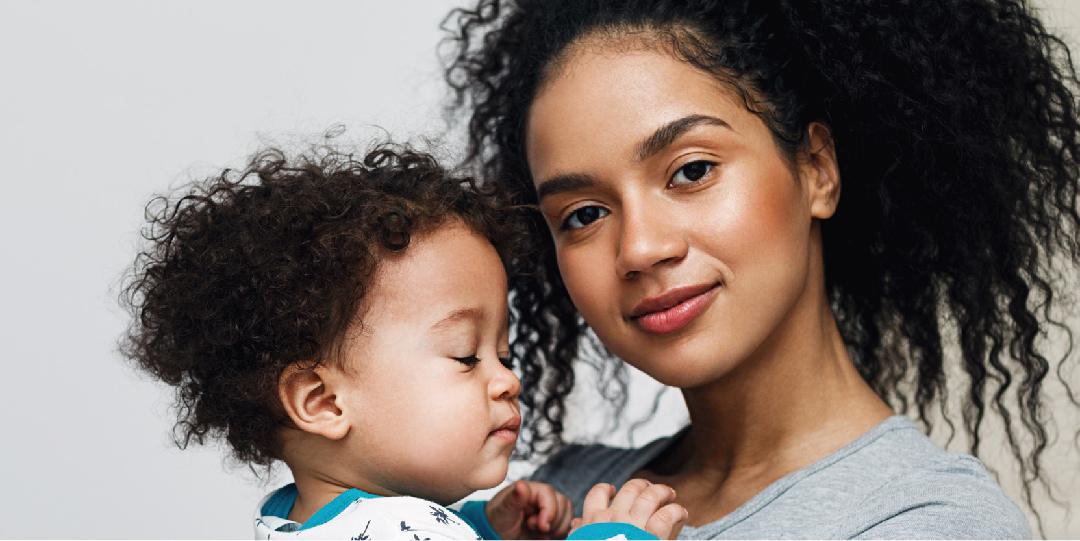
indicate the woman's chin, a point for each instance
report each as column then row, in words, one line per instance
column 683, row 369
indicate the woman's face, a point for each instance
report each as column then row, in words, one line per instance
column 684, row 237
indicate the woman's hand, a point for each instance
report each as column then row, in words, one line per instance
column 649, row 506
column 530, row 510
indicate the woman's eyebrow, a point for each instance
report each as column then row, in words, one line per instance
column 563, row 183
column 668, row 133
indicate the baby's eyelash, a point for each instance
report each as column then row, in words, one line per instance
column 473, row 360
column 470, row 361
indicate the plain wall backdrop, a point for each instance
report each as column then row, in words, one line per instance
column 102, row 105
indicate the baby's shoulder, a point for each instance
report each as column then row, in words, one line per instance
column 409, row 517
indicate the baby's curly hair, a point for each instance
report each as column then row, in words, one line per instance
column 252, row 271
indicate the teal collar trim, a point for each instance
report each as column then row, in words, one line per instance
column 335, row 507
column 281, row 502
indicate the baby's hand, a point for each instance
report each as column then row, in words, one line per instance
column 529, row 510
column 646, row 505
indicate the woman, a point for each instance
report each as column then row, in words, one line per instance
column 789, row 210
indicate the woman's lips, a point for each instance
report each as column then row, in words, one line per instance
column 673, row 310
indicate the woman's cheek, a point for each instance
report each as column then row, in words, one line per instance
column 587, row 273
column 761, row 209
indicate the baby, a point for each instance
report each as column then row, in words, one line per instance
column 349, row 318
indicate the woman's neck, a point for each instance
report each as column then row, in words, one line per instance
column 792, row 405
column 797, row 400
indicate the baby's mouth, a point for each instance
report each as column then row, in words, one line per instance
column 508, row 430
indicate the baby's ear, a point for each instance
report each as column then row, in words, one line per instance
column 308, row 397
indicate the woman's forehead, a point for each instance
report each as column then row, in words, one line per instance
column 609, row 102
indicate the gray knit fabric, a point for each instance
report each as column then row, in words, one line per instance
column 891, row 483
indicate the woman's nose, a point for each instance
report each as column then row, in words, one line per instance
column 649, row 237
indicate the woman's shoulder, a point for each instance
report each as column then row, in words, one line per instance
column 950, row 497
column 944, row 495
column 891, row 483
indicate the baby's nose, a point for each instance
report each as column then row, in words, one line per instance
column 505, row 385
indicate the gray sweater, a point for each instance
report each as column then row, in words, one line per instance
column 892, row 482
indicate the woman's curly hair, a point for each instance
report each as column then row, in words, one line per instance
column 955, row 123
column 252, row 271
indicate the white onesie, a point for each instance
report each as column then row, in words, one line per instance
column 356, row 514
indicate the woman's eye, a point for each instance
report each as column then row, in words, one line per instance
column 584, row 216
column 691, row 173
column 470, row 361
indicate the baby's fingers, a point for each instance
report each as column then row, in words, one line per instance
column 628, row 494
column 597, row 501
column 667, row 521
column 648, row 501
column 561, row 525
column 548, row 504
column 575, row 524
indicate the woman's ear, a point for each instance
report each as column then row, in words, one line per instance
column 819, row 170
column 307, row 395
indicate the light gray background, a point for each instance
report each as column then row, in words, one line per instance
column 103, row 104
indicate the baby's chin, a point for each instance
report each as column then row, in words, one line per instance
column 488, row 475
column 491, row 475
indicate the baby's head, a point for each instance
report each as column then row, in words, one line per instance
column 347, row 317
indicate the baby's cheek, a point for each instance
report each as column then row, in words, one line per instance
column 444, row 445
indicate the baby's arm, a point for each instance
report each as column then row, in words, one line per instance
column 639, row 505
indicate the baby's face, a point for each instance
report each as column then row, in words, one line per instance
column 434, row 410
